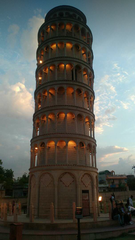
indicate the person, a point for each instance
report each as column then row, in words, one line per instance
column 126, row 214
column 13, row 204
column 117, row 214
column 112, row 199
column 131, row 201
column 130, row 209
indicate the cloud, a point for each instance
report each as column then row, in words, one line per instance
column 13, row 31
column 122, row 165
column 115, row 158
column 28, row 38
column 132, row 98
column 16, row 101
column 125, row 105
column 16, row 107
column 108, row 151
column 110, row 110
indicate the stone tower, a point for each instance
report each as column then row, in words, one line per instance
column 63, row 147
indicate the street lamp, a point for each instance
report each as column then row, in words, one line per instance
column 100, row 201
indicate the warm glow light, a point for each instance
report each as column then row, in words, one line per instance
column 40, row 61
column 36, row 148
column 100, row 198
column 40, row 78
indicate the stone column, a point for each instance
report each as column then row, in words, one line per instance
column 64, row 71
column 56, row 200
column 78, row 195
column 56, row 153
column 66, row 122
column 67, row 153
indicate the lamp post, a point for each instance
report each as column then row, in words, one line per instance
column 78, row 215
column 100, row 201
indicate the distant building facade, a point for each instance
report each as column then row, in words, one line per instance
column 63, row 165
column 108, row 181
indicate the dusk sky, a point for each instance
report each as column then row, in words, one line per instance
column 112, row 23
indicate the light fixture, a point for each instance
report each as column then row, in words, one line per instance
column 40, row 61
column 100, row 198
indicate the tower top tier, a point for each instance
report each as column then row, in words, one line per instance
column 65, row 11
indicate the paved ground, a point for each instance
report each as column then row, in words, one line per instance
column 23, row 218
column 108, row 231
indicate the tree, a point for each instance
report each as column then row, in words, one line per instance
column 23, row 180
column 131, row 183
column 1, row 172
column 6, row 177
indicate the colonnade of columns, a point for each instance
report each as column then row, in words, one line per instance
column 66, row 96
column 85, row 156
column 63, row 123
column 66, row 49
column 64, row 29
column 65, row 71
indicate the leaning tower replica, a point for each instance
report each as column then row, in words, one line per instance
column 63, row 148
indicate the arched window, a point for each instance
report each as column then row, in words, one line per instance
column 37, row 126
column 51, row 123
column 83, row 34
column 53, row 30
column 44, row 98
column 60, row 96
column 61, row 152
column 47, row 31
column 61, row 28
column 88, row 38
column 60, row 49
column 91, row 103
column 45, row 70
column 86, row 101
column 42, row 36
column 68, row 29
column 51, row 96
column 51, row 153
column 84, row 57
column 60, row 71
column 53, row 50
column 78, row 73
column 69, row 72
column 71, row 124
column 35, row 155
column 76, row 31
column 69, row 48
column 41, row 160
column 46, row 52
column 70, row 96
column 79, row 97
column 80, row 124
column 61, row 122
column 40, row 77
column 39, row 101
column 72, row 153
column 81, row 150
column 87, row 126
column 89, row 155
column 52, row 73
column 43, row 125
column 77, row 51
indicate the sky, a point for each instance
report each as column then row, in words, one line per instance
column 113, row 26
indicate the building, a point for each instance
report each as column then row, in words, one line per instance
column 108, row 181
column 63, row 147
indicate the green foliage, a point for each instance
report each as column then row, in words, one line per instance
column 6, row 176
column 131, row 183
column 23, row 180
